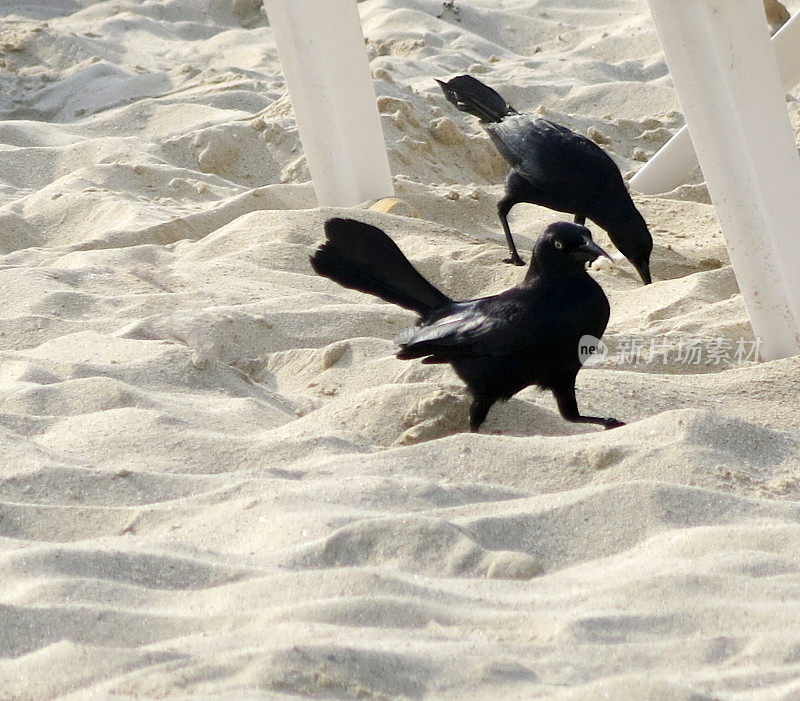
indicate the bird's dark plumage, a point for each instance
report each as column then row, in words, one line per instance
column 554, row 167
column 498, row 345
column 364, row 258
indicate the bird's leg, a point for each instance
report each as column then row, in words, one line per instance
column 478, row 411
column 503, row 208
column 568, row 407
column 580, row 219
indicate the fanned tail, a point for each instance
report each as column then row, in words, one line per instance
column 468, row 94
column 362, row 257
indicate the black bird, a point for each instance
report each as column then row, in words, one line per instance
column 554, row 167
column 498, row 345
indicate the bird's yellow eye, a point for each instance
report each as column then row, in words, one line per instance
column 559, row 245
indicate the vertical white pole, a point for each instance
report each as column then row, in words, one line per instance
column 321, row 48
column 727, row 78
column 676, row 159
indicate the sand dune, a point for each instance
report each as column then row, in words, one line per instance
column 217, row 480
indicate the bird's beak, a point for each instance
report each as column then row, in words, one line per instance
column 589, row 251
column 644, row 272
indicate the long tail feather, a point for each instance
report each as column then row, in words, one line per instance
column 364, row 258
column 468, row 94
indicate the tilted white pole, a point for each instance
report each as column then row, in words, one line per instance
column 321, row 48
column 675, row 160
column 669, row 167
column 726, row 76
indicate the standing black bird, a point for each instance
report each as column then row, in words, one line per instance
column 556, row 168
column 498, row 345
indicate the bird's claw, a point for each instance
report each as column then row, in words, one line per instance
column 612, row 423
column 516, row 260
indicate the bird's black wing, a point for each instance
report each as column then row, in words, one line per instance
column 549, row 155
column 492, row 326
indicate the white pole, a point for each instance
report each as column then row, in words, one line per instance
column 321, row 48
column 726, row 75
column 787, row 50
column 669, row 167
column 675, row 160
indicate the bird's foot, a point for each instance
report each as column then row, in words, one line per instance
column 516, row 260
column 612, row 423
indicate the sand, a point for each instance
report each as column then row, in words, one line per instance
column 217, row 481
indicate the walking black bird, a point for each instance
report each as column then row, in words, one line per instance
column 498, row 345
column 554, row 167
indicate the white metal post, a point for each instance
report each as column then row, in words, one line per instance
column 726, row 75
column 321, row 48
column 675, row 160
column 669, row 167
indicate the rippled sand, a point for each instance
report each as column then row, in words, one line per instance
column 217, row 480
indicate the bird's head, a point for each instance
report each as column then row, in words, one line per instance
column 564, row 246
column 633, row 240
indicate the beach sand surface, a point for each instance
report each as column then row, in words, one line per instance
column 216, row 480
